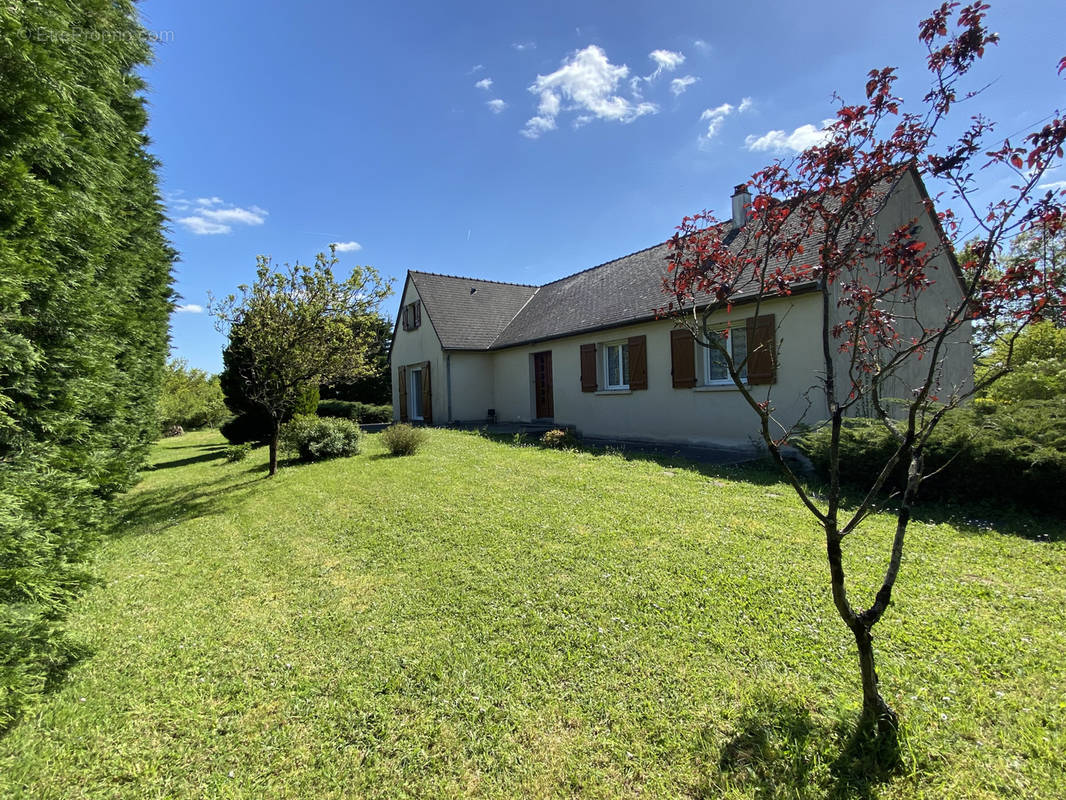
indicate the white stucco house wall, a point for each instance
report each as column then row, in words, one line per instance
column 587, row 350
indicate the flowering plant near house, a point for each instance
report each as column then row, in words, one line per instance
column 894, row 298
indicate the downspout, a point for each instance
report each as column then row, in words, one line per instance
column 448, row 370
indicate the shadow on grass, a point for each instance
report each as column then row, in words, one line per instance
column 283, row 463
column 757, row 472
column 155, row 510
column 196, row 447
column 974, row 519
column 779, row 751
column 978, row 519
column 58, row 651
column 214, row 453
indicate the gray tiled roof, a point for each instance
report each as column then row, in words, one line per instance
column 620, row 291
column 467, row 313
column 498, row 315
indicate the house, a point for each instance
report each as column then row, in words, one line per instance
column 588, row 351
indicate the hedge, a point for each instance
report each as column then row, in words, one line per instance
column 359, row 412
column 1011, row 454
column 84, row 302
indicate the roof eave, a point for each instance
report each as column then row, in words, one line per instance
column 804, row 288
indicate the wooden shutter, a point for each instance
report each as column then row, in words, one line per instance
column 417, row 306
column 588, row 367
column 762, row 350
column 427, row 396
column 401, row 377
column 638, row 362
column 404, row 313
column 682, row 358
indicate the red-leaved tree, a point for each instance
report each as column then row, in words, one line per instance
column 896, row 305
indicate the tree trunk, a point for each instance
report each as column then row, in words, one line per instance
column 274, row 436
column 874, row 707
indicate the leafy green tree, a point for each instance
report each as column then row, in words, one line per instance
column 84, row 302
column 375, row 387
column 1037, row 365
column 295, row 331
column 191, row 398
column 250, row 422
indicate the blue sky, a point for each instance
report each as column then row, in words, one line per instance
column 509, row 141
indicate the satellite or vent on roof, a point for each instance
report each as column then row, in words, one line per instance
column 473, row 290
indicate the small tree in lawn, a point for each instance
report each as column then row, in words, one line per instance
column 882, row 343
column 296, row 332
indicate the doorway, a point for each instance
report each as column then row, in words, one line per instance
column 543, row 394
column 414, row 394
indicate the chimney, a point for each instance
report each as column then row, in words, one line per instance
column 741, row 204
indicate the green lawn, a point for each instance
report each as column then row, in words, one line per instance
column 483, row 619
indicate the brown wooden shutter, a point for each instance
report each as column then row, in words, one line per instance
column 427, row 396
column 417, row 305
column 403, row 313
column 638, row 362
column 401, row 378
column 588, row 367
column 762, row 350
column 682, row 358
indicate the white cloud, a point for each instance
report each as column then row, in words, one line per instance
column 588, row 82
column 476, row 68
column 1053, row 186
column 177, row 201
column 484, row 83
column 714, row 117
column 496, row 106
column 347, row 247
column 520, row 46
column 679, row 85
column 240, row 216
column 666, row 60
column 203, row 227
column 779, row 142
column 213, row 216
column 701, row 45
column 189, row 308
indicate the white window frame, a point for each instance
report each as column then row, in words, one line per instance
column 709, row 352
column 623, row 383
column 414, row 399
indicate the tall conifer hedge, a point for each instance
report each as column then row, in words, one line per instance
column 84, row 301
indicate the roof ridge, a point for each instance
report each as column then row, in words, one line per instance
column 603, row 264
column 518, row 313
column 467, row 278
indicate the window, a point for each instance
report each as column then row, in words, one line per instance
column 616, row 365
column 414, row 393
column 735, row 341
column 412, row 315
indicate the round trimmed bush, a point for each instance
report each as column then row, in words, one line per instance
column 402, row 439
column 318, row 438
